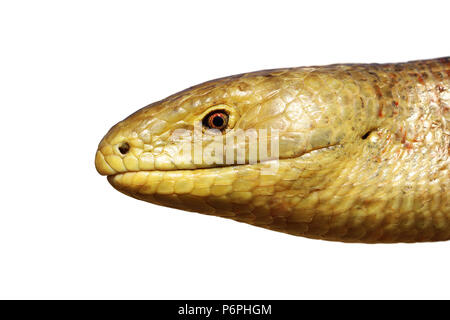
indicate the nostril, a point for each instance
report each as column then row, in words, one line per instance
column 124, row 148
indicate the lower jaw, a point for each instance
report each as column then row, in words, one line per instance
column 196, row 182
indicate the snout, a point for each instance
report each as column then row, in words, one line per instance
column 114, row 156
column 102, row 165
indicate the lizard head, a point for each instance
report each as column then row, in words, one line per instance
column 236, row 146
column 340, row 152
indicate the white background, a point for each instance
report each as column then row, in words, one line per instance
column 69, row 70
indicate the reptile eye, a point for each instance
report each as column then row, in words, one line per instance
column 216, row 120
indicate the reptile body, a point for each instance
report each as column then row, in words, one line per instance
column 363, row 151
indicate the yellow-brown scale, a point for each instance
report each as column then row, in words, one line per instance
column 364, row 152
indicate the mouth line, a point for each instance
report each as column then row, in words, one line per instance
column 196, row 169
column 224, row 166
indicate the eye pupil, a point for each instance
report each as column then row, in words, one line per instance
column 216, row 120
